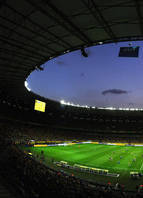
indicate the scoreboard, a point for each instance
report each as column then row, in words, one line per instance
column 129, row 51
column 39, row 106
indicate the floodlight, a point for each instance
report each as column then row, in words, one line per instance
column 83, row 52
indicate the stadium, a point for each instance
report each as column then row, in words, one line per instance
column 55, row 147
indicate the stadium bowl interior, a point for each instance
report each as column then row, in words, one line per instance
column 46, row 153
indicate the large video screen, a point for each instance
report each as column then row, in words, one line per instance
column 39, row 106
column 129, row 51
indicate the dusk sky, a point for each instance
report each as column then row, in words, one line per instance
column 102, row 79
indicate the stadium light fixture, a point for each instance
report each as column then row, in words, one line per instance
column 62, row 102
column 26, row 85
column 106, row 108
column 83, row 52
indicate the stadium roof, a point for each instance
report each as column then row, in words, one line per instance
column 33, row 31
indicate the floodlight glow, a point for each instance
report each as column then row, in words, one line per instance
column 105, row 108
column 110, row 108
column 132, row 109
column 62, row 102
column 26, row 85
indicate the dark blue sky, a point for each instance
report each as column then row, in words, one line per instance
column 103, row 79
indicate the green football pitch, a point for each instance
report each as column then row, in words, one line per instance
column 116, row 159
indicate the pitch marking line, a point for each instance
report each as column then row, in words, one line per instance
column 141, row 166
column 116, row 169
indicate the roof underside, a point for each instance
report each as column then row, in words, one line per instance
column 33, row 31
